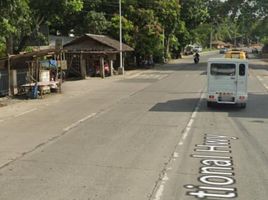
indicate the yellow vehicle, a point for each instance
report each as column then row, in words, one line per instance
column 236, row 54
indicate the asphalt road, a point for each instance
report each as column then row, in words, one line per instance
column 145, row 136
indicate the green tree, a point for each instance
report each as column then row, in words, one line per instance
column 127, row 29
column 168, row 13
column 59, row 15
column 93, row 22
column 194, row 13
column 13, row 20
column 148, row 33
column 39, row 12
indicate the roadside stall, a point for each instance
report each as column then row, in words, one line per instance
column 93, row 56
column 46, row 75
column 36, row 73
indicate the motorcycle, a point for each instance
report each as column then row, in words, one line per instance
column 196, row 59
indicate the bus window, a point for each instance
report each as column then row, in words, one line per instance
column 222, row 69
column 242, row 70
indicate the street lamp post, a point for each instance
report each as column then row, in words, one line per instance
column 121, row 68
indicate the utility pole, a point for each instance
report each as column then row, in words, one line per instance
column 121, row 68
column 210, row 43
column 164, row 52
column 235, row 39
column 8, row 74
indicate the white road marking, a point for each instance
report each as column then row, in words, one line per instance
column 160, row 189
column 261, row 80
column 133, row 75
column 191, row 121
column 175, row 155
column 143, row 75
column 75, row 124
column 26, row 112
column 258, row 77
column 194, row 115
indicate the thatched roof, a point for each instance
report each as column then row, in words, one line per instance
column 96, row 43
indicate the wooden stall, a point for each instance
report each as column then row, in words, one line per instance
column 42, row 69
column 93, row 55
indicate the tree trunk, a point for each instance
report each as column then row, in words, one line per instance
column 167, row 46
column 22, row 43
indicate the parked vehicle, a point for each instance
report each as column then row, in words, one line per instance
column 188, row 50
column 197, row 49
column 227, row 81
column 236, row 54
column 223, row 50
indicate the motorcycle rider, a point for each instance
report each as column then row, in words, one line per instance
column 196, row 57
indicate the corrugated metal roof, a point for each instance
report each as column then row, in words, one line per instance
column 103, row 39
column 31, row 54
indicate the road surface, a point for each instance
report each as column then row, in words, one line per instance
column 144, row 136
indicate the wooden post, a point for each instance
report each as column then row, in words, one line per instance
column 56, row 57
column 111, row 65
column 8, row 74
column 60, row 83
column 81, row 70
column 82, row 66
column 36, row 70
column 102, row 67
column 32, row 72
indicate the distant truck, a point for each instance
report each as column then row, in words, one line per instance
column 188, row 50
column 197, row 49
column 191, row 49
column 227, row 81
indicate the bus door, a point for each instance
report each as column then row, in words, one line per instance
column 223, row 78
column 242, row 78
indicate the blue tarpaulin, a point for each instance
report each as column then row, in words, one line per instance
column 49, row 63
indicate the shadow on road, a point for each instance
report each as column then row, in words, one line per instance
column 182, row 67
column 256, row 64
column 256, row 107
column 180, row 105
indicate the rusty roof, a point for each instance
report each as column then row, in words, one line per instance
column 31, row 55
column 103, row 39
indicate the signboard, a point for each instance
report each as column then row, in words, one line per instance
column 62, row 64
column 48, row 63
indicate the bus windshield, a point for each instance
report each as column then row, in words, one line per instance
column 222, row 69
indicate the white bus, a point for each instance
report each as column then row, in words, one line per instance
column 227, row 81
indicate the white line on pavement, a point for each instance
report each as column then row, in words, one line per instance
column 160, row 190
column 75, row 124
column 258, row 77
column 26, row 112
column 261, row 80
column 191, row 121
